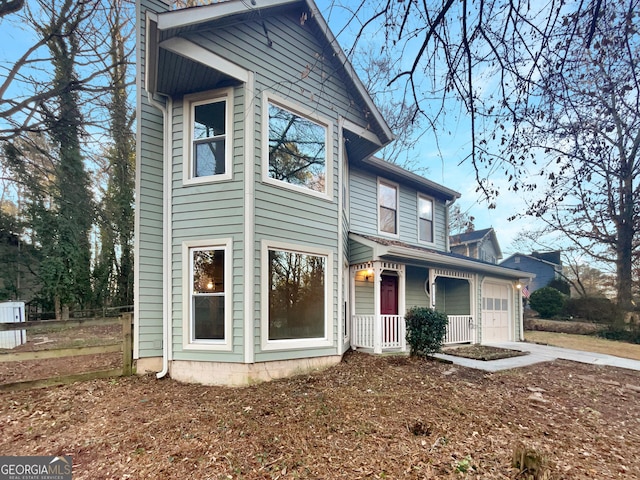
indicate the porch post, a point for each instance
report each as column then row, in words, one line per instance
column 402, row 306
column 377, row 320
column 352, row 306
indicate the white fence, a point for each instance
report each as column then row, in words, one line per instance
column 393, row 331
column 12, row 312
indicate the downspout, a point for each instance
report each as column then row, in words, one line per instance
column 166, row 234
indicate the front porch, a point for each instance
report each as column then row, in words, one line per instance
column 381, row 291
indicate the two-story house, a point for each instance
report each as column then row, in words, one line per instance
column 481, row 244
column 268, row 239
column 544, row 267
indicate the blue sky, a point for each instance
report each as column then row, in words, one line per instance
column 445, row 162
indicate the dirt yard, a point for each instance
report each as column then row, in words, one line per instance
column 368, row 417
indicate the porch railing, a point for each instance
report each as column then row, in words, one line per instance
column 393, row 331
column 459, row 329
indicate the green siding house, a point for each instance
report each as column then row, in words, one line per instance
column 269, row 240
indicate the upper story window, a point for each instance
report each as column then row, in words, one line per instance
column 208, row 136
column 425, row 219
column 388, row 208
column 297, row 149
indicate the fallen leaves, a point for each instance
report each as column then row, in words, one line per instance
column 368, row 417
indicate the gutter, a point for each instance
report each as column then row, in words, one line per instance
column 166, row 235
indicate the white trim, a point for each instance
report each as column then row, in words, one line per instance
column 361, row 132
column 271, row 345
column 206, row 13
column 188, row 104
column 188, row 246
column 307, row 114
column 188, row 49
column 249, row 219
column 396, row 186
column 433, row 218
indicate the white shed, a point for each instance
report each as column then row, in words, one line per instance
column 12, row 312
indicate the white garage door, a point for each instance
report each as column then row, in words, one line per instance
column 495, row 313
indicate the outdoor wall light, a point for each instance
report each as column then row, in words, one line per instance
column 518, row 285
column 367, row 274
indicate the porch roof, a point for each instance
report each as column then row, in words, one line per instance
column 389, row 248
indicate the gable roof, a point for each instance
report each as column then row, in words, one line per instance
column 164, row 37
column 470, row 237
column 476, row 236
column 534, row 258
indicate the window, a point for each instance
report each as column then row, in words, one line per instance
column 297, row 149
column 295, row 298
column 208, row 137
column 425, row 219
column 207, row 288
column 388, row 208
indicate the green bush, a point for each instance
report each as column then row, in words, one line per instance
column 426, row 329
column 630, row 333
column 594, row 309
column 547, row 301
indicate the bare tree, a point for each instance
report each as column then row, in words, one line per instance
column 586, row 123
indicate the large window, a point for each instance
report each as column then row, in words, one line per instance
column 296, row 295
column 296, row 305
column 425, row 219
column 207, row 290
column 207, row 137
column 297, row 150
column 388, row 207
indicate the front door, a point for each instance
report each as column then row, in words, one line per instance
column 389, row 295
column 389, row 310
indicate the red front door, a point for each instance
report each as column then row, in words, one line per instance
column 389, row 295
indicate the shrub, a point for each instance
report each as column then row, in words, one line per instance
column 426, row 329
column 629, row 333
column 547, row 301
column 594, row 309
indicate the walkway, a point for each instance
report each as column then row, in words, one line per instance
column 538, row 354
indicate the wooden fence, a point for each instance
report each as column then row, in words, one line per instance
column 124, row 345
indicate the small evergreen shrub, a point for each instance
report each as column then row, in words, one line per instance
column 426, row 329
column 594, row 309
column 547, row 301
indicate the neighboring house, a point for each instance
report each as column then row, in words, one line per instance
column 480, row 244
column 269, row 241
column 546, row 266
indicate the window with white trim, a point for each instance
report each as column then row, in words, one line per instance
column 208, row 143
column 207, row 294
column 425, row 219
column 297, row 148
column 297, row 295
column 388, row 208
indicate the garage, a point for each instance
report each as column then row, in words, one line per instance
column 496, row 306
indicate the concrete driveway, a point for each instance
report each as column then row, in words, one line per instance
column 538, row 354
